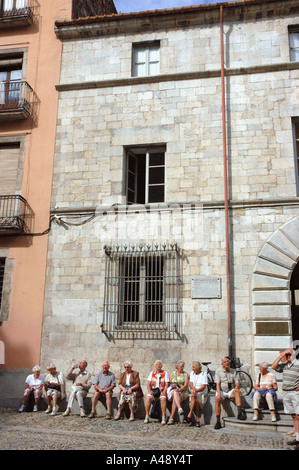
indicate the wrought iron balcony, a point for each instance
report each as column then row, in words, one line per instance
column 15, row 13
column 16, row 216
column 17, row 100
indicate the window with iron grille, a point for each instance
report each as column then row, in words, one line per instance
column 142, row 291
column 2, row 268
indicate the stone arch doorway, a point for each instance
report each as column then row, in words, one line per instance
column 274, row 284
column 294, row 287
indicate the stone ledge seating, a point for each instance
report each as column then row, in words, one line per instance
column 229, row 413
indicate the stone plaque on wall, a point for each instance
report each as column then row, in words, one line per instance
column 205, row 287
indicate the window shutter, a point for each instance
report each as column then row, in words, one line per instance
column 9, row 165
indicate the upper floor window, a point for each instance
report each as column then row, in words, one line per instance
column 146, row 59
column 2, row 267
column 294, row 43
column 9, row 5
column 10, row 78
column 296, row 149
column 145, row 175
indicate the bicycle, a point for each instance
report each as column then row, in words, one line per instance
column 245, row 380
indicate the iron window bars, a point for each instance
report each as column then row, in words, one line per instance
column 141, row 298
column 16, row 216
column 16, row 8
column 16, row 95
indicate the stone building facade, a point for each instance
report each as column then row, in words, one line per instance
column 139, row 179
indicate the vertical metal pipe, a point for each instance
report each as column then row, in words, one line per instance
column 228, row 281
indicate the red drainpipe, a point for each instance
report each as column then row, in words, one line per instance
column 228, row 283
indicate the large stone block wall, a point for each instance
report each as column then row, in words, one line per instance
column 182, row 50
column 94, row 127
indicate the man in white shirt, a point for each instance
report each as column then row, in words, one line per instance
column 199, row 391
column 81, row 385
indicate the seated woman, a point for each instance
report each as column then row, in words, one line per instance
column 178, row 389
column 34, row 383
column 199, row 392
column 157, row 379
column 265, row 386
column 55, row 388
column 131, row 392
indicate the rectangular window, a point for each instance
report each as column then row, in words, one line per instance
column 294, row 43
column 296, row 150
column 2, row 268
column 10, row 5
column 146, row 59
column 142, row 290
column 145, row 175
column 10, row 79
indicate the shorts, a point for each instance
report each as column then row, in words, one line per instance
column 36, row 393
column 226, row 394
column 183, row 395
column 291, row 402
column 51, row 392
column 202, row 399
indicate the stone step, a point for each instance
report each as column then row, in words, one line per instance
column 284, row 421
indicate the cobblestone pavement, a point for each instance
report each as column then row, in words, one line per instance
column 38, row 431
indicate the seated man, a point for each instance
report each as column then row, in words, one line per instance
column 199, row 392
column 81, row 384
column 104, row 383
column 227, row 386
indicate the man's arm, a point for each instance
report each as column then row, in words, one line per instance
column 277, row 361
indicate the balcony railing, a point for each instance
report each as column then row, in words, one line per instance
column 16, row 216
column 17, row 100
column 15, row 13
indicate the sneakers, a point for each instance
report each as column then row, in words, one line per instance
column 163, row 422
column 255, row 418
column 22, row 408
column 55, row 410
column 82, row 413
column 35, row 408
column 48, row 410
column 146, row 420
column 67, row 412
column 171, row 421
column 180, row 411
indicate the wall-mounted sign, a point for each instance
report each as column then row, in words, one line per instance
column 206, row 287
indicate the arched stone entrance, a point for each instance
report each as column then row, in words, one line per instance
column 271, row 292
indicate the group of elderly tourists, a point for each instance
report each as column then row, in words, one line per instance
column 162, row 388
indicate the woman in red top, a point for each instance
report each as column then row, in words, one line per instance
column 157, row 379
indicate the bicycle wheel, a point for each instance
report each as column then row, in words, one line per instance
column 245, row 381
column 211, row 383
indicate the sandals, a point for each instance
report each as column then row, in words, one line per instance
column 187, row 420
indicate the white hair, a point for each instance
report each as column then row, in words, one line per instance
column 129, row 363
column 36, row 369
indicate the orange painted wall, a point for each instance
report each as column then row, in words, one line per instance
column 21, row 334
